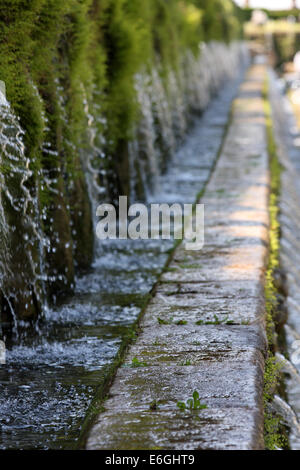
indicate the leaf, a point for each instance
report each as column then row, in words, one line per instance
column 190, row 403
column 162, row 322
column 181, row 405
column 136, row 363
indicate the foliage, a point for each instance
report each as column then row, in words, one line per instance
column 274, row 438
column 64, row 62
column 193, row 403
column 91, row 42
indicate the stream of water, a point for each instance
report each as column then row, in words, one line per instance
column 51, row 374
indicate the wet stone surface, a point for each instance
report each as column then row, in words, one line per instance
column 170, row 430
column 52, row 375
column 196, row 310
column 204, row 328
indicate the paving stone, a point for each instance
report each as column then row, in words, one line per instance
column 214, row 342
column 170, row 430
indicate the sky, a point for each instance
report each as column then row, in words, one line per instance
column 270, row 4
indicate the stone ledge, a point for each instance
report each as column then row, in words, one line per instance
column 224, row 363
column 174, row 430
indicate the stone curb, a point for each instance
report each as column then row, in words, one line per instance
column 204, row 329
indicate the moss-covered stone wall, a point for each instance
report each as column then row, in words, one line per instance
column 69, row 68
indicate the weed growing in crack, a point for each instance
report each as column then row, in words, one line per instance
column 186, row 363
column 192, row 403
column 216, row 321
column 136, row 363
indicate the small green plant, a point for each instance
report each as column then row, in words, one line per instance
column 216, row 321
column 161, row 321
column 131, row 335
column 192, row 403
column 186, row 363
column 228, row 322
column 136, row 363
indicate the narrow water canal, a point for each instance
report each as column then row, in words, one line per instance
column 52, row 374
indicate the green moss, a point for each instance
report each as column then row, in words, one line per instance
column 191, row 266
column 273, row 432
column 103, row 43
column 65, row 62
column 274, row 233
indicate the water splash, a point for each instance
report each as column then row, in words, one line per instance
column 94, row 160
column 168, row 106
column 18, row 214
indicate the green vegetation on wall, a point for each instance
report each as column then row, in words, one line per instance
column 65, row 61
column 274, row 431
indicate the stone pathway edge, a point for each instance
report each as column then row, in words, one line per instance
column 204, row 329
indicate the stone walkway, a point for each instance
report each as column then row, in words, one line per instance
column 204, row 328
